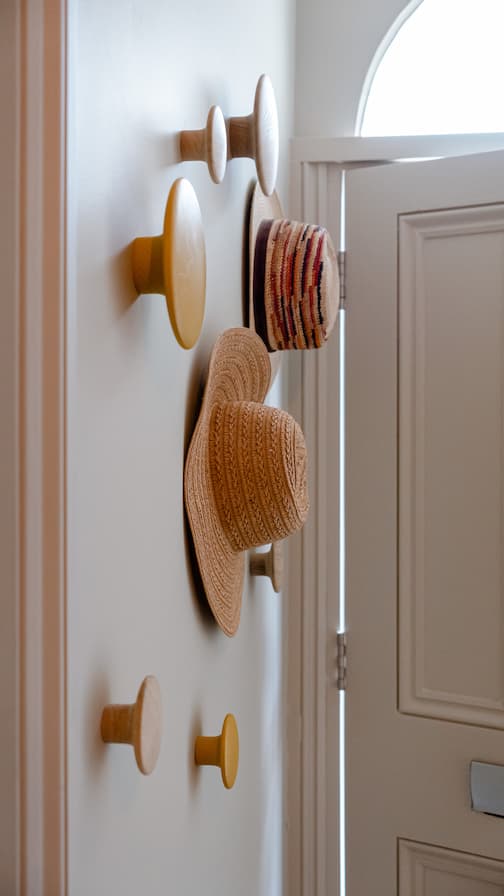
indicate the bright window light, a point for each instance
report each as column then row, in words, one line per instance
column 342, row 557
column 442, row 73
column 342, row 615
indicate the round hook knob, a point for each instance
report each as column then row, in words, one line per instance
column 174, row 263
column 269, row 563
column 256, row 136
column 222, row 751
column 138, row 724
column 207, row 145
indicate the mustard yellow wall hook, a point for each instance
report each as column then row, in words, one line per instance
column 207, row 145
column 138, row 724
column 222, row 751
column 256, row 135
column 174, row 263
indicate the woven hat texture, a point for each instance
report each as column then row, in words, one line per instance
column 245, row 472
column 296, row 284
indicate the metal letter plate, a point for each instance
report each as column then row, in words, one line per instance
column 487, row 788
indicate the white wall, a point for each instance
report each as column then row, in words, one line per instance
column 139, row 72
column 335, row 43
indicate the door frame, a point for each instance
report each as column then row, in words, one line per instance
column 310, row 644
column 313, row 604
column 39, row 268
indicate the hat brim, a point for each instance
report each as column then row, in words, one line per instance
column 261, row 208
column 239, row 370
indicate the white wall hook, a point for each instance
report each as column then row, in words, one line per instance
column 255, row 136
column 138, row 724
column 269, row 563
column 207, row 145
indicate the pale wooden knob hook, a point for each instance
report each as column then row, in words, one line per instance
column 268, row 563
column 222, row 751
column 174, row 263
column 255, row 136
column 138, row 724
column 207, row 145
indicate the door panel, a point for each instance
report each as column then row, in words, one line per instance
column 427, row 871
column 451, row 351
column 424, row 513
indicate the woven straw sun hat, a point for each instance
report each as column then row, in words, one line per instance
column 294, row 280
column 245, row 472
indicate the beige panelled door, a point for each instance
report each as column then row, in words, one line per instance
column 425, row 524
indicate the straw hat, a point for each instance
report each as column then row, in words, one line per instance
column 245, row 473
column 294, row 280
column 262, row 208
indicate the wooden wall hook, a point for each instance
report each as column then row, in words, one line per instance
column 269, row 563
column 174, row 263
column 255, row 136
column 222, row 751
column 138, row 724
column 207, row 145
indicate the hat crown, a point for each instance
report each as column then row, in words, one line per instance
column 257, row 458
column 296, row 284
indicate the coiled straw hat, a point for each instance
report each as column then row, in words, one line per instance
column 294, row 279
column 245, row 472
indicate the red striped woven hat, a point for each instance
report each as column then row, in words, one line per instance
column 295, row 284
column 245, row 472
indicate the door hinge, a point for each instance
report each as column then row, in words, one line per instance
column 341, row 661
column 342, row 278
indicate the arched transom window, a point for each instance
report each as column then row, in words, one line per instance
column 439, row 72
